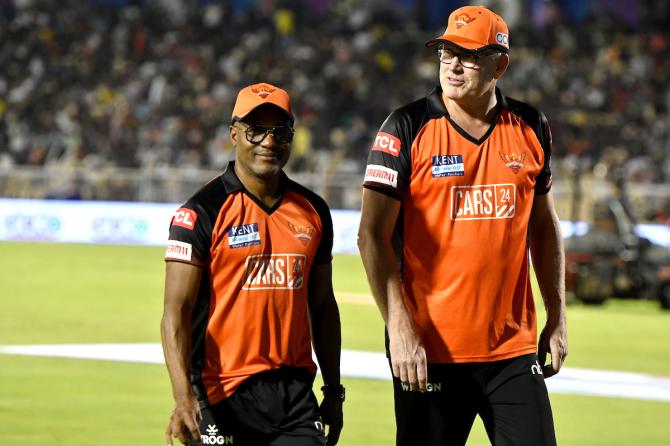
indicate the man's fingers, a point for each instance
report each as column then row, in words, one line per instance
column 412, row 376
column 192, row 430
column 422, row 375
column 168, row 436
column 402, row 372
column 183, row 437
column 395, row 368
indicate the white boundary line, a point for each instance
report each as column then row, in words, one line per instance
column 369, row 365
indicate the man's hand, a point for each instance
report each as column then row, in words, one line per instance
column 553, row 340
column 331, row 413
column 184, row 422
column 408, row 356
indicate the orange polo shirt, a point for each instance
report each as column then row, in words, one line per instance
column 251, row 312
column 461, row 238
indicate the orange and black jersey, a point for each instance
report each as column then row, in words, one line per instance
column 461, row 237
column 251, row 312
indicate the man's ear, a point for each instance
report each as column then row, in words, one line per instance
column 503, row 63
column 234, row 135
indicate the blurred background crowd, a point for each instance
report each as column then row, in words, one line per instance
column 121, row 85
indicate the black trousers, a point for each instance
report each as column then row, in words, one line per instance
column 274, row 408
column 510, row 396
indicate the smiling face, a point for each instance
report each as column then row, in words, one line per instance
column 460, row 83
column 261, row 142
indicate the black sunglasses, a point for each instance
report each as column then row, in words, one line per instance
column 255, row 134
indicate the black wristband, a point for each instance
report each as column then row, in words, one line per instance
column 334, row 390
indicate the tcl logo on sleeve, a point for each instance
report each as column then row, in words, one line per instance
column 185, row 218
column 387, row 143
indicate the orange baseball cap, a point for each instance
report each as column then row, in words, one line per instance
column 253, row 96
column 475, row 28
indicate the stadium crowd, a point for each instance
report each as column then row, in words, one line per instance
column 147, row 84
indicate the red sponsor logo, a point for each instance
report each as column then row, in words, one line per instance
column 387, row 143
column 185, row 218
column 381, row 174
column 178, row 250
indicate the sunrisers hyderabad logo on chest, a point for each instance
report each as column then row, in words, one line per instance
column 274, row 272
column 514, row 161
column 263, row 91
column 301, row 232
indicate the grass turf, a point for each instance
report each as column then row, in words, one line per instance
column 84, row 293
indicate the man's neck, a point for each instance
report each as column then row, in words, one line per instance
column 266, row 189
column 475, row 116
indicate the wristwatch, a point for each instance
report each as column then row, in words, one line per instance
column 335, row 390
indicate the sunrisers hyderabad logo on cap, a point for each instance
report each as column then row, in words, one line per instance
column 513, row 161
column 462, row 20
column 263, row 91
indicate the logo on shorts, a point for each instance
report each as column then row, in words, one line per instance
column 274, row 272
column 381, row 174
column 430, row 387
column 244, row 235
column 388, row 143
column 485, row 202
column 513, row 161
column 213, row 436
column 178, row 250
column 536, row 369
column 185, row 218
column 448, row 166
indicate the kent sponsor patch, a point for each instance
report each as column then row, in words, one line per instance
column 274, row 272
column 244, row 235
column 485, row 202
column 385, row 142
column 381, row 174
column 448, row 166
column 185, row 218
column 177, row 250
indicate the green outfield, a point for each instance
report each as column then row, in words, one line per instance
column 110, row 294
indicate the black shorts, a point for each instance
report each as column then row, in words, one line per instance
column 274, row 408
column 510, row 396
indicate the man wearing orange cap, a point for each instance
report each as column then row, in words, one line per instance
column 248, row 292
column 456, row 194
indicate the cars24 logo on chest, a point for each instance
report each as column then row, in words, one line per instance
column 274, row 272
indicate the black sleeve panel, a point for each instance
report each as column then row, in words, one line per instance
column 390, row 159
column 381, row 190
column 324, row 253
column 538, row 122
column 205, row 205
